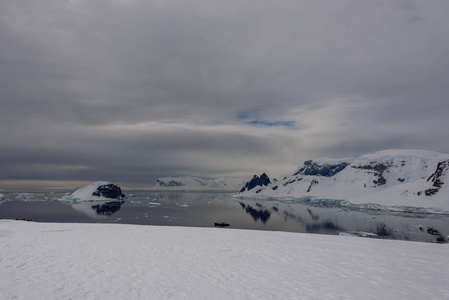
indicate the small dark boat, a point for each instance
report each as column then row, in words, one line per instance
column 221, row 224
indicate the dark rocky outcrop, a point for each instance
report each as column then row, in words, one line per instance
column 312, row 168
column 377, row 169
column 430, row 192
column 437, row 178
column 263, row 180
column 314, row 182
column 109, row 191
column 441, row 170
column 380, row 180
column 291, row 181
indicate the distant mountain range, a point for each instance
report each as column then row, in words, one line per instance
column 402, row 178
column 192, row 183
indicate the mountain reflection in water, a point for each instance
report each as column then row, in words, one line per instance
column 98, row 209
column 256, row 214
column 310, row 222
column 264, row 214
column 107, row 208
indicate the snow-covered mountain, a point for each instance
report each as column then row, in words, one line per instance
column 389, row 178
column 191, row 183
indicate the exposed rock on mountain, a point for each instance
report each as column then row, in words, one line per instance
column 263, row 180
column 99, row 190
column 313, row 168
column 109, row 191
column 437, row 178
column 378, row 170
column 387, row 178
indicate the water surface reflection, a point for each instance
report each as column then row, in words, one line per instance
column 205, row 209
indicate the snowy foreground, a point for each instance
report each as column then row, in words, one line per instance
column 110, row 261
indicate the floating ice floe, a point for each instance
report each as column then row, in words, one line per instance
column 360, row 234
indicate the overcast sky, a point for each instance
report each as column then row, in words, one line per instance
column 133, row 90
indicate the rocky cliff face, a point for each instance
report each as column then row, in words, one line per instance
column 437, row 178
column 377, row 170
column 110, row 190
column 263, row 180
column 313, row 168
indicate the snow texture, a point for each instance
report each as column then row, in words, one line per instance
column 110, row 261
column 390, row 178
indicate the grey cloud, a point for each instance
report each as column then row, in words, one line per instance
column 353, row 76
column 133, row 158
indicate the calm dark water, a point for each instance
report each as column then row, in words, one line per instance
column 199, row 209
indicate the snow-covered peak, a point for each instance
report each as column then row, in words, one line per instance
column 263, row 180
column 332, row 161
column 402, row 155
column 325, row 161
column 323, row 167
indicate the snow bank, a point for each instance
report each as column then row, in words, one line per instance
column 110, row 261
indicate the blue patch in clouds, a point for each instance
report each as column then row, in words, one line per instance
column 253, row 115
column 277, row 123
column 247, row 114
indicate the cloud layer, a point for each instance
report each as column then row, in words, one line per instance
column 132, row 90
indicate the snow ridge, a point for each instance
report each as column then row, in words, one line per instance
column 192, row 183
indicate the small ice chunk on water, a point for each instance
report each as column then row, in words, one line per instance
column 359, row 234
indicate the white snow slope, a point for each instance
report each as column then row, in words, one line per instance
column 405, row 176
column 191, row 183
column 110, row 261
